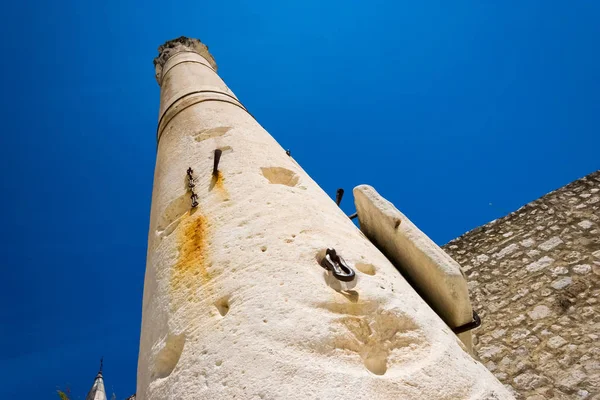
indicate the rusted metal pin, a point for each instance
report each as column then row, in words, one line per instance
column 476, row 322
column 338, row 196
column 194, row 198
column 218, row 153
column 288, row 152
column 191, row 186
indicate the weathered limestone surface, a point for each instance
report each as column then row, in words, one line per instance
column 236, row 304
column 534, row 277
column 436, row 276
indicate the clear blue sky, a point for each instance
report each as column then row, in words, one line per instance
column 458, row 112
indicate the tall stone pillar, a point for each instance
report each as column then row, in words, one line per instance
column 236, row 303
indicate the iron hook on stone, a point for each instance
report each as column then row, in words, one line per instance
column 338, row 196
column 218, row 153
column 475, row 323
column 337, row 266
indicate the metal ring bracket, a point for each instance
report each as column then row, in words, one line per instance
column 338, row 267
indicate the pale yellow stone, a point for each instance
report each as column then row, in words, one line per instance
column 436, row 276
column 236, row 304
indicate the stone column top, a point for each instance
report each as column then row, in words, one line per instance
column 179, row 45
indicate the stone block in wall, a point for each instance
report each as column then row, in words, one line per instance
column 535, row 275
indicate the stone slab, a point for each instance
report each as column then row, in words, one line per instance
column 432, row 272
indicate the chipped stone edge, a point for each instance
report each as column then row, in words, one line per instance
column 178, row 45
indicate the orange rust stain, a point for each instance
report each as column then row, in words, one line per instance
column 217, row 182
column 190, row 271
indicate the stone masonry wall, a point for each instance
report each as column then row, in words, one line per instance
column 534, row 278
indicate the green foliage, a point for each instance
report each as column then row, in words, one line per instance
column 62, row 395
